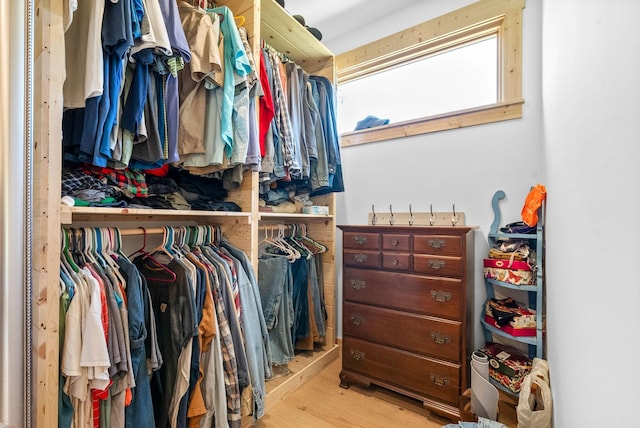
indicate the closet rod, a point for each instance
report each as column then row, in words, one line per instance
column 275, row 226
column 140, row 232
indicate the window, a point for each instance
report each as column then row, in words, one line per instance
column 466, row 72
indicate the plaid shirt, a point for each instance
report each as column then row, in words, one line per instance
column 74, row 181
column 132, row 182
column 282, row 119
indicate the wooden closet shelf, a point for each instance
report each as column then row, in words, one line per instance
column 69, row 215
column 295, row 216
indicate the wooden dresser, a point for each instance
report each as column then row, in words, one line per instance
column 408, row 311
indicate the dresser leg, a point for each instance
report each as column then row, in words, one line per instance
column 344, row 382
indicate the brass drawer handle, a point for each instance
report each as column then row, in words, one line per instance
column 436, row 244
column 360, row 258
column 439, row 380
column 356, row 319
column 436, row 264
column 357, row 284
column 357, row 355
column 395, row 242
column 395, row 262
column 440, row 296
column 440, row 338
column 360, row 239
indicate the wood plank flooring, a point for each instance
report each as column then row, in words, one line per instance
column 322, row 403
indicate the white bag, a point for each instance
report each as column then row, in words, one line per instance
column 535, row 404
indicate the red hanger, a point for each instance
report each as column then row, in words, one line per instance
column 156, row 263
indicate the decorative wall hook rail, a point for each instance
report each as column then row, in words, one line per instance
column 411, row 218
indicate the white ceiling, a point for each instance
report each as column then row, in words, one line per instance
column 335, row 18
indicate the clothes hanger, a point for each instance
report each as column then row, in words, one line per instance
column 147, row 256
column 279, row 241
column 303, row 235
column 293, row 241
column 106, row 251
column 269, row 243
column 66, row 253
column 76, row 247
column 94, row 247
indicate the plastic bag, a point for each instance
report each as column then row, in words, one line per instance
column 532, row 202
column 534, row 408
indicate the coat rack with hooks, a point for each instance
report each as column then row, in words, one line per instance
column 412, row 218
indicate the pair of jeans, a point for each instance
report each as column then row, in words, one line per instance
column 316, row 294
column 276, row 288
column 300, row 272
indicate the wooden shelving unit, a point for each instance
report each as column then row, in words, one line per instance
column 264, row 19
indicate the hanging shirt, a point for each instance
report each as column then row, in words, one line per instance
column 182, row 55
column 83, row 52
column 203, row 35
column 236, row 62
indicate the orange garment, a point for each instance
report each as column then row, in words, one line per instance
column 532, row 202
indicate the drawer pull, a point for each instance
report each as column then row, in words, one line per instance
column 440, row 296
column 360, row 239
column 356, row 319
column 395, row 242
column 436, row 244
column 395, row 262
column 439, row 380
column 440, row 338
column 357, row 355
column 360, row 258
column 357, row 284
column 436, row 264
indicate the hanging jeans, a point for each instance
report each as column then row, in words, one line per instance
column 276, row 288
column 300, row 272
column 318, row 304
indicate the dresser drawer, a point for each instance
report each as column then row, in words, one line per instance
column 364, row 241
column 396, row 261
column 396, row 241
column 362, row 258
column 421, row 376
column 438, row 297
column 420, row 334
column 438, row 245
column 438, row 266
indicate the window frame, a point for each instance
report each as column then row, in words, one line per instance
column 462, row 26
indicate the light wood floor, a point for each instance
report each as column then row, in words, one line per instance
column 322, row 403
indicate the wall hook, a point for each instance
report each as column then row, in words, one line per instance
column 392, row 219
column 374, row 218
column 432, row 218
column 411, row 219
column 454, row 217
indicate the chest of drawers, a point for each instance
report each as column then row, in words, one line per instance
column 407, row 311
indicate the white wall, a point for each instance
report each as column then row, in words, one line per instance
column 591, row 75
column 462, row 166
